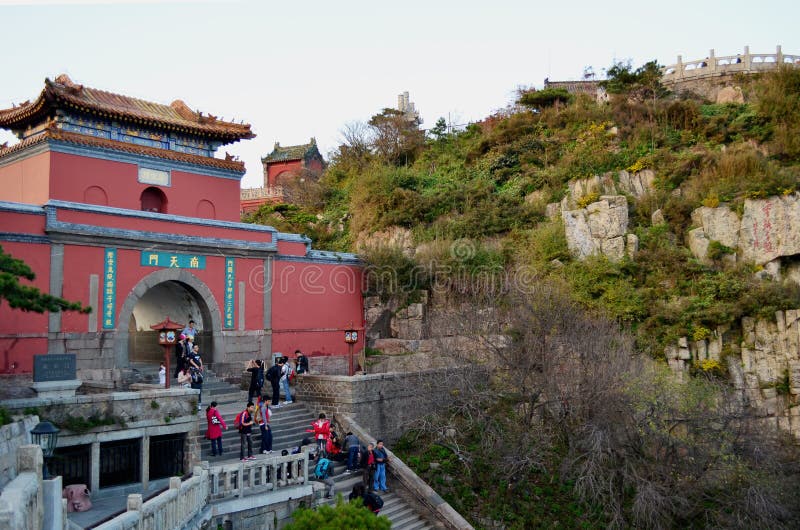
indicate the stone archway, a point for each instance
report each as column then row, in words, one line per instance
column 199, row 290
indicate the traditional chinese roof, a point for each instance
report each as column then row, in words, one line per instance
column 53, row 133
column 293, row 152
column 66, row 95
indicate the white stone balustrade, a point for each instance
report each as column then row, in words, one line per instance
column 186, row 500
column 715, row 66
column 241, row 479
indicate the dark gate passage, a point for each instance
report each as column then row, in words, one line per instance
column 166, row 455
column 74, row 464
column 120, row 462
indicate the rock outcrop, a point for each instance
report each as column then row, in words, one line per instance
column 768, row 229
column 600, row 228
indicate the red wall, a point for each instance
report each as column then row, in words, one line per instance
column 23, row 333
column 276, row 168
column 72, row 174
column 26, row 180
column 313, row 304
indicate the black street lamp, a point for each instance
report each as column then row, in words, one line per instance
column 45, row 435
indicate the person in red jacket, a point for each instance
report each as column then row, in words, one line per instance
column 322, row 430
column 215, row 426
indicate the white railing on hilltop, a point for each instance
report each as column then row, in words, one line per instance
column 728, row 64
column 240, row 479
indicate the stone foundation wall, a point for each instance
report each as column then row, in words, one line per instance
column 386, row 404
column 12, row 436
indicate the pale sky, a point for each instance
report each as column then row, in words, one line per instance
column 295, row 69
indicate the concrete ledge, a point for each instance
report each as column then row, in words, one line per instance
column 56, row 389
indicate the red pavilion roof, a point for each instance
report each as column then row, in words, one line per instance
column 63, row 93
column 53, row 133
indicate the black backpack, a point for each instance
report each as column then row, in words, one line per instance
column 373, row 502
column 274, row 373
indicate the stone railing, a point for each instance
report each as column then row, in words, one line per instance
column 420, row 491
column 22, row 502
column 174, row 508
column 241, row 479
column 716, row 66
column 12, row 436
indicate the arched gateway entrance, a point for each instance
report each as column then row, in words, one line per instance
column 176, row 293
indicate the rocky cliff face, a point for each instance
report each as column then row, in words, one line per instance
column 769, row 229
column 601, row 227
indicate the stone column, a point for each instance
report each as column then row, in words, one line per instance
column 145, row 459
column 242, row 306
column 94, row 288
column 679, row 67
column 94, row 482
column 712, row 61
column 54, row 345
column 266, row 343
column 54, row 516
column 748, row 60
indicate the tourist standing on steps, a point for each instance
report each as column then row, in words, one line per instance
column 302, row 362
column 286, row 373
column 215, row 426
column 368, row 466
column 180, row 354
column 246, row 432
column 256, row 369
column 352, row 443
column 321, row 429
column 196, row 369
column 264, row 416
column 190, row 331
column 381, row 459
column 273, row 375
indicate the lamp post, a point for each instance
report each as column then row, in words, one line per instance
column 45, row 435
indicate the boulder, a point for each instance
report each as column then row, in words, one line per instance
column 730, row 94
column 769, row 228
column 719, row 224
column 637, row 184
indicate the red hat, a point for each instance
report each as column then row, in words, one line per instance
column 183, row 336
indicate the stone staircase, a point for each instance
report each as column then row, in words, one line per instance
column 289, row 424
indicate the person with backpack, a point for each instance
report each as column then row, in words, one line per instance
column 372, row 501
column 264, row 415
column 256, row 369
column 381, row 459
column 273, row 375
column 323, row 472
column 367, row 466
column 287, row 372
column 244, row 422
column 321, row 429
column 215, row 426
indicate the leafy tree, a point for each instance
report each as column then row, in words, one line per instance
column 542, row 99
column 640, row 84
column 344, row 516
column 396, row 139
column 26, row 297
column 439, row 131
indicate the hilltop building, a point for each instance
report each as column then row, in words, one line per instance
column 120, row 203
column 284, row 165
column 408, row 108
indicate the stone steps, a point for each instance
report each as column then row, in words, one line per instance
column 289, row 424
